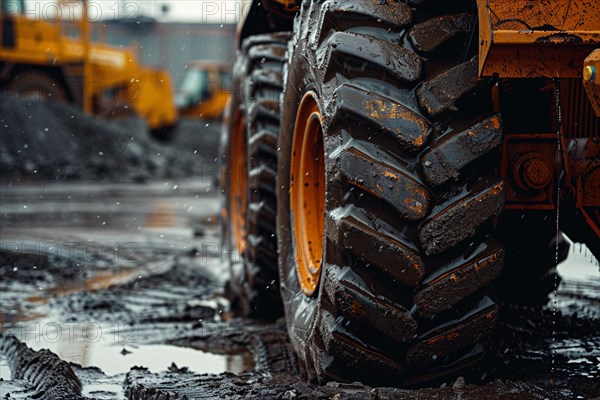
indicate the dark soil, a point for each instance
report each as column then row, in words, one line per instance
column 42, row 141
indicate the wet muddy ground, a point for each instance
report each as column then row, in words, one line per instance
column 114, row 291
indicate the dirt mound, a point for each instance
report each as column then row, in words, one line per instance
column 42, row 141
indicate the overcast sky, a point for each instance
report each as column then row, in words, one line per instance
column 214, row 11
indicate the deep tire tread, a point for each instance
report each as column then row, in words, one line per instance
column 263, row 60
column 266, row 61
column 429, row 205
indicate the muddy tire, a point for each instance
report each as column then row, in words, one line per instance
column 36, row 85
column 254, row 110
column 396, row 292
column 532, row 254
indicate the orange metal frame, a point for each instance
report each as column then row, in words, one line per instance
column 541, row 38
column 549, row 39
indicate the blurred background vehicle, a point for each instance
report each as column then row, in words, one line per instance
column 204, row 90
column 59, row 61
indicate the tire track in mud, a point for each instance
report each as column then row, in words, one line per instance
column 175, row 294
column 46, row 374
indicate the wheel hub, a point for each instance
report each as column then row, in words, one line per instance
column 307, row 193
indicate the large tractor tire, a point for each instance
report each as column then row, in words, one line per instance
column 250, row 182
column 386, row 188
column 37, row 85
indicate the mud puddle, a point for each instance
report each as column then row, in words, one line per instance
column 115, row 349
column 154, row 357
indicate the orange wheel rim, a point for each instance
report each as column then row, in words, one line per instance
column 237, row 183
column 307, row 193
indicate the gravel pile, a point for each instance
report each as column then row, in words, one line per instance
column 58, row 142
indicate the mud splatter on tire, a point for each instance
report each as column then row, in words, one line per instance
column 410, row 141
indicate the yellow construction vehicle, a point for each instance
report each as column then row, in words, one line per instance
column 54, row 58
column 399, row 168
column 204, row 90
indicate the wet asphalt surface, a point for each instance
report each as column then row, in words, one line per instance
column 122, row 284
